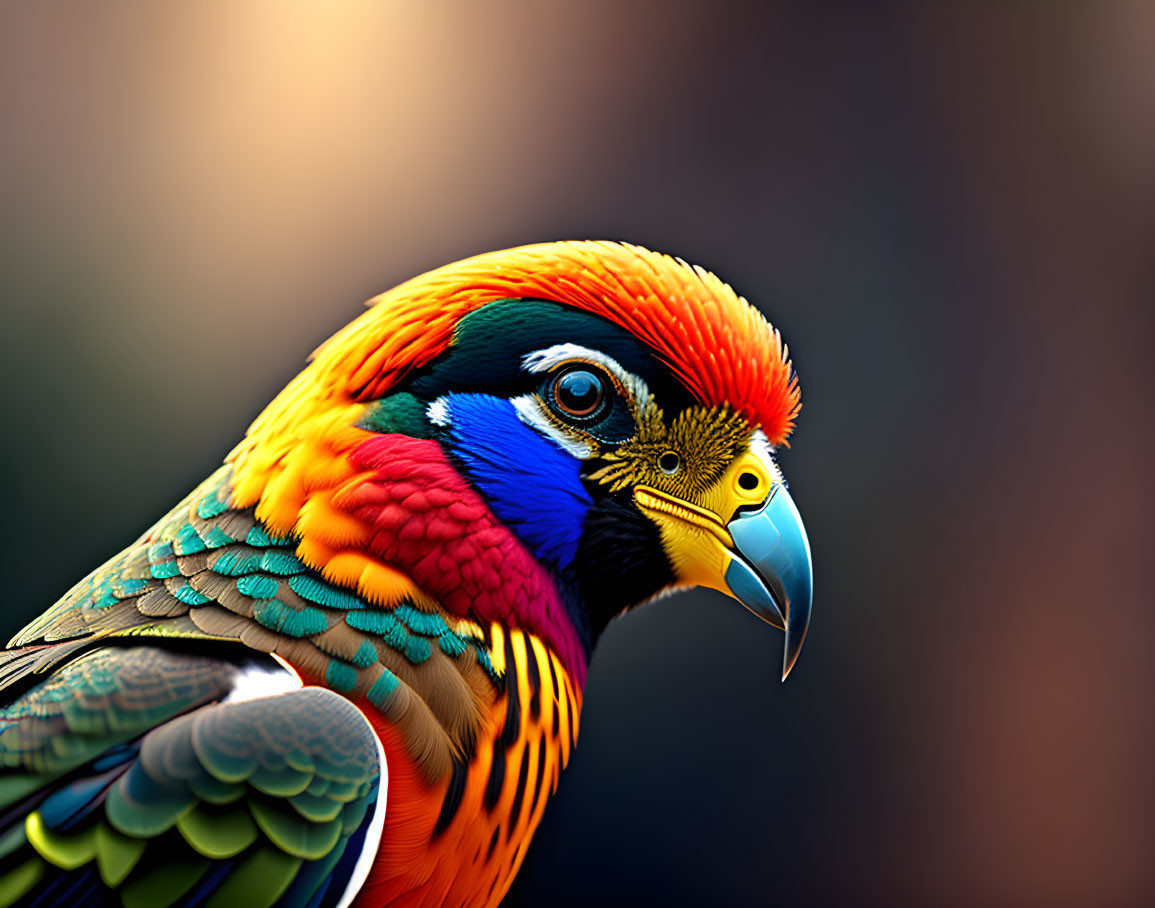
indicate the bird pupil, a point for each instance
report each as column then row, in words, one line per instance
column 579, row 393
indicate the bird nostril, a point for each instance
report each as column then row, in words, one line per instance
column 749, row 481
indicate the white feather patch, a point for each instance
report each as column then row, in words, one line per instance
column 438, row 412
column 254, row 682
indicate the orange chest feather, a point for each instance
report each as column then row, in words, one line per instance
column 461, row 840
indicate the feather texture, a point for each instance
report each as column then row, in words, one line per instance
column 400, row 534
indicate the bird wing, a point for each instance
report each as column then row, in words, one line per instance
column 138, row 775
column 211, row 575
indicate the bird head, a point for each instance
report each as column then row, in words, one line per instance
column 544, row 437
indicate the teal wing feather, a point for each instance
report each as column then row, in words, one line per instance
column 130, row 778
column 209, row 571
column 101, row 699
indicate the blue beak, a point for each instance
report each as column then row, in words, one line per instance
column 774, row 577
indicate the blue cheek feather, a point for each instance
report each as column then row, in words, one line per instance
column 532, row 485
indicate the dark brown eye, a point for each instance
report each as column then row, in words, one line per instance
column 579, row 393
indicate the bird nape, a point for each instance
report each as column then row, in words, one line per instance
column 348, row 668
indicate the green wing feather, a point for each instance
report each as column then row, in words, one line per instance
column 208, row 571
column 90, row 800
column 128, row 781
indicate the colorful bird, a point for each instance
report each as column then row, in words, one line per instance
column 348, row 668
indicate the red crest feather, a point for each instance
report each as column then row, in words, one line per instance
column 713, row 340
column 717, row 344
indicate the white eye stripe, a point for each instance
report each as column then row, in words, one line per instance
column 530, row 412
column 551, row 357
column 544, row 360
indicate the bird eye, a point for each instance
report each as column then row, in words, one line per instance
column 579, row 393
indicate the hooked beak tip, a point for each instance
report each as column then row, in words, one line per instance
column 774, row 577
column 793, row 648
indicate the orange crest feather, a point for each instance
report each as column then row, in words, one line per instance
column 714, row 341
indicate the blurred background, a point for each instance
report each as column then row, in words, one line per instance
column 949, row 211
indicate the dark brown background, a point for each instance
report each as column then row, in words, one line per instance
column 950, row 212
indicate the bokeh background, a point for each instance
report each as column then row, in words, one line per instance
column 948, row 209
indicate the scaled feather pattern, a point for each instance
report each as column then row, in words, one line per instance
column 347, row 669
